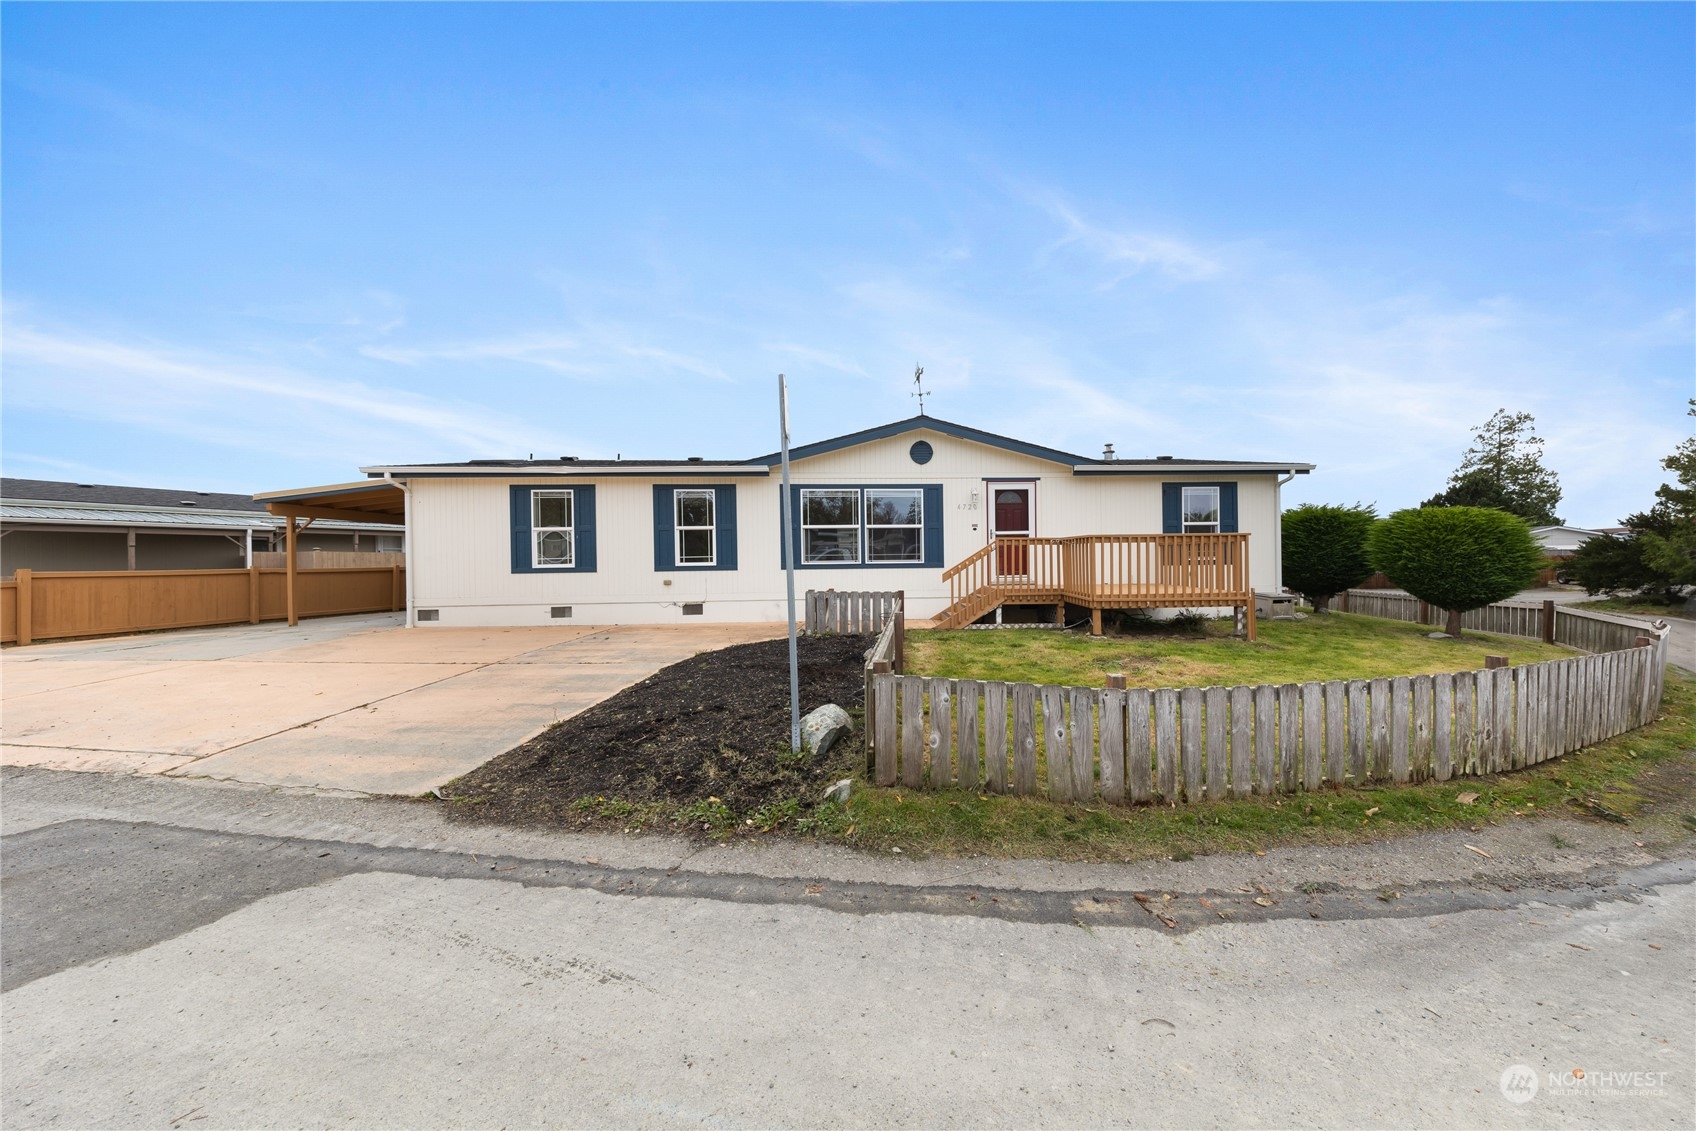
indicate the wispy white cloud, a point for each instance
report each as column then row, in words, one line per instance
column 594, row 352
column 549, row 351
column 821, row 359
column 1128, row 251
column 235, row 403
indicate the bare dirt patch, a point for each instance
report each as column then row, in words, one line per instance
column 705, row 740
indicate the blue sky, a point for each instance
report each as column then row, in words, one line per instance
column 249, row 247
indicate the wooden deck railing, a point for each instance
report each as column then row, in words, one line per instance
column 1100, row 571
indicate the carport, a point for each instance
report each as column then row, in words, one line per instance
column 369, row 500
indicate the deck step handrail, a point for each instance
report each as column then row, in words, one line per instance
column 1101, row 571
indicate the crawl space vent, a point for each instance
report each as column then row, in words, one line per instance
column 429, row 614
column 559, row 611
column 694, row 610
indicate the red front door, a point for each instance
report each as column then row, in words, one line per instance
column 1012, row 511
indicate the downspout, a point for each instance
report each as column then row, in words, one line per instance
column 1278, row 542
column 406, row 547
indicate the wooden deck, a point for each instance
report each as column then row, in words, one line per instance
column 1102, row 571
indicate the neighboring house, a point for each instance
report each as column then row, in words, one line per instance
column 1563, row 541
column 529, row 542
column 48, row 525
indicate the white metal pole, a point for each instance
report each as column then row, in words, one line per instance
column 789, row 570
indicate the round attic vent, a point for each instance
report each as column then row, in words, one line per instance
column 921, row 451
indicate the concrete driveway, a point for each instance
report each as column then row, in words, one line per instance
column 347, row 703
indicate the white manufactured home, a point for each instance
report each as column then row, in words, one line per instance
column 961, row 520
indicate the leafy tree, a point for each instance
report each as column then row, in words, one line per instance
column 1504, row 469
column 1668, row 533
column 1456, row 558
column 1325, row 550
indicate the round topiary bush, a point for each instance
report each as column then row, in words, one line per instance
column 1456, row 558
column 1325, row 550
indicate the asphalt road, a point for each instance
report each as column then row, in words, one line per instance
column 195, row 956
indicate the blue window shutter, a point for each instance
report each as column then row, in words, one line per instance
column 794, row 525
column 1172, row 508
column 520, row 529
column 724, row 515
column 665, row 528
column 583, row 504
column 933, row 525
column 1227, row 508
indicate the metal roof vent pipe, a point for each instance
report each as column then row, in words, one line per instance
column 1107, row 452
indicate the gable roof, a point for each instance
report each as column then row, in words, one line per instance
column 761, row 465
column 917, row 423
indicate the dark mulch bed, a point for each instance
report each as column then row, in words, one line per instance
column 715, row 726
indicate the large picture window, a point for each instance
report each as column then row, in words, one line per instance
column 695, row 512
column 1201, row 510
column 552, row 530
column 830, row 526
column 895, row 525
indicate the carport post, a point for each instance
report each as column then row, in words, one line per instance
column 293, row 619
column 25, row 607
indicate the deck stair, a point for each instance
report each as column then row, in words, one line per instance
column 1102, row 571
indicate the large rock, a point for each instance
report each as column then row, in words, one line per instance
column 821, row 728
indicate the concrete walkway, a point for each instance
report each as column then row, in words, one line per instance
column 346, row 703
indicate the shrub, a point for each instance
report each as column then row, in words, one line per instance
column 1605, row 565
column 1456, row 558
column 1325, row 550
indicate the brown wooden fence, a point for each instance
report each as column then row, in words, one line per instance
column 50, row 606
column 1186, row 744
column 827, row 610
column 331, row 559
column 1557, row 624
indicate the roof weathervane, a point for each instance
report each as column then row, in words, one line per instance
column 919, row 384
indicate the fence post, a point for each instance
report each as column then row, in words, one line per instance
column 1643, row 642
column 901, row 630
column 1548, row 622
column 1116, row 681
column 1493, row 662
column 873, row 669
column 24, row 607
column 1424, row 612
column 1344, row 600
column 252, row 594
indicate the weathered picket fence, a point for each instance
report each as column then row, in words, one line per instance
column 888, row 656
column 1547, row 621
column 849, row 612
column 1186, row 744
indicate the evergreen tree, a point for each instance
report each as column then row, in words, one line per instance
column 1504, row 469
column 1668, row 536
column 1325, row 550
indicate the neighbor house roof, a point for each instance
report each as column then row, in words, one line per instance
column 53, row 491
column 47, row 502
column 761, row 465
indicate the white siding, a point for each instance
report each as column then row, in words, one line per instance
column 461, row 560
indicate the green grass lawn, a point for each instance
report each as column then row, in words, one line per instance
column 1637, row 606
column 1335, row 646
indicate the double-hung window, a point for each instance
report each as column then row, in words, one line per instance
column 553, row 533
column 895, row 525
column 1201, row 510
column 830, row 526
column 694, row 514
